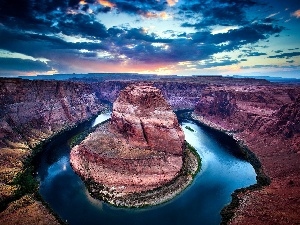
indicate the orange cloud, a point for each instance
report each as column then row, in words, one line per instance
column 162, row 15
column 106, row 3
column 172, row 2
column 149, row 14
column 297, row 13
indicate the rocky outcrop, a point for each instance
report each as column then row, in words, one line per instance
column 289, row 119
column 262, row 115
column 265, row 118
column 146, row 120
column 219, row 103
column 141, row 149
column 30, row 112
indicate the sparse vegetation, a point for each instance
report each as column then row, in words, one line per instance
column 189, row 128
column 26, row 182
column 195, row 153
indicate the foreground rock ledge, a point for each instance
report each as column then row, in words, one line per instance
column 138, row 158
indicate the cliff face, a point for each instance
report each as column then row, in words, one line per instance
column 145, row 119
column 30, row 112
column 180, row 95
column 266, row 119
column 140, row 150
column 262, row 115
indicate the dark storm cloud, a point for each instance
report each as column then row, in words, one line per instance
column 176, row 51
column 137, row 6
column 83, row 25
column 220, row 12
column 36, row 45
column 286, row 55
column 245, row 35
column 25, row 65
column 29, row 9
column 36, row 27
column 139, row 34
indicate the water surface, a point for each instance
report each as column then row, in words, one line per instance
column 200, row 203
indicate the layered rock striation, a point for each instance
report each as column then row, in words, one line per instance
column 31, row 112
column 140, row 150
column 265, row 118
column 145, row 119
column 262, row 115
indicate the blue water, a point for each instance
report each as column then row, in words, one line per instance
column 200, row 203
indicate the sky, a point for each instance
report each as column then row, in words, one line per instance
column 183, row 37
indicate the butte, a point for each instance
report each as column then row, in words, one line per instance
column 140, row 150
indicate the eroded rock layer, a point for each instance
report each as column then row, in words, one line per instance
column 31, row 112
column 141, row 149
column 145, row 119
column 265, row 118
column 263, row 115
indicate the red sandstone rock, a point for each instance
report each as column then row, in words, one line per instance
column 266, row 119
column 31, row 111
column 140, row 151
column 145, row 119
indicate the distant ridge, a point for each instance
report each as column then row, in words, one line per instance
column 271, row 79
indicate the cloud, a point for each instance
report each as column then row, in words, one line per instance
column 210, row 63
column 69, row 31
column 82, row 25
column 249, row 34
column 221, row 12
column 172, row 2
column 251, row 53
column 278, row 51
column 290, row 61
column 267, row 66
column 296, row 13
column 106, row 3
column 272, row 15
column 286, row 55
column 24, row 65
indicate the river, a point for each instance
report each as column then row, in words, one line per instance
column 200, row 203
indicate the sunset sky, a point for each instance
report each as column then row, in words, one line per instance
column 223, row 37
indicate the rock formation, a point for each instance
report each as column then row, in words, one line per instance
column 30, row 112
column 141, row 149
column 265, row 118
column 262, row 115
column 146, row 120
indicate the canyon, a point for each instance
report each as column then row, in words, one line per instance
column 263, row 116
column 141, row 149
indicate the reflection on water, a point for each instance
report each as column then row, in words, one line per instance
column 200, row 203
column 101, row 118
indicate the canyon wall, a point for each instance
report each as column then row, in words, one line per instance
column 266, row 119
column 32, row 111
column 261, row 115
column 264, row 116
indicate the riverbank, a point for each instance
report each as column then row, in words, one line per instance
column 191, row 166
column 275, row 197
column 26, row 200
column 238, row 149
